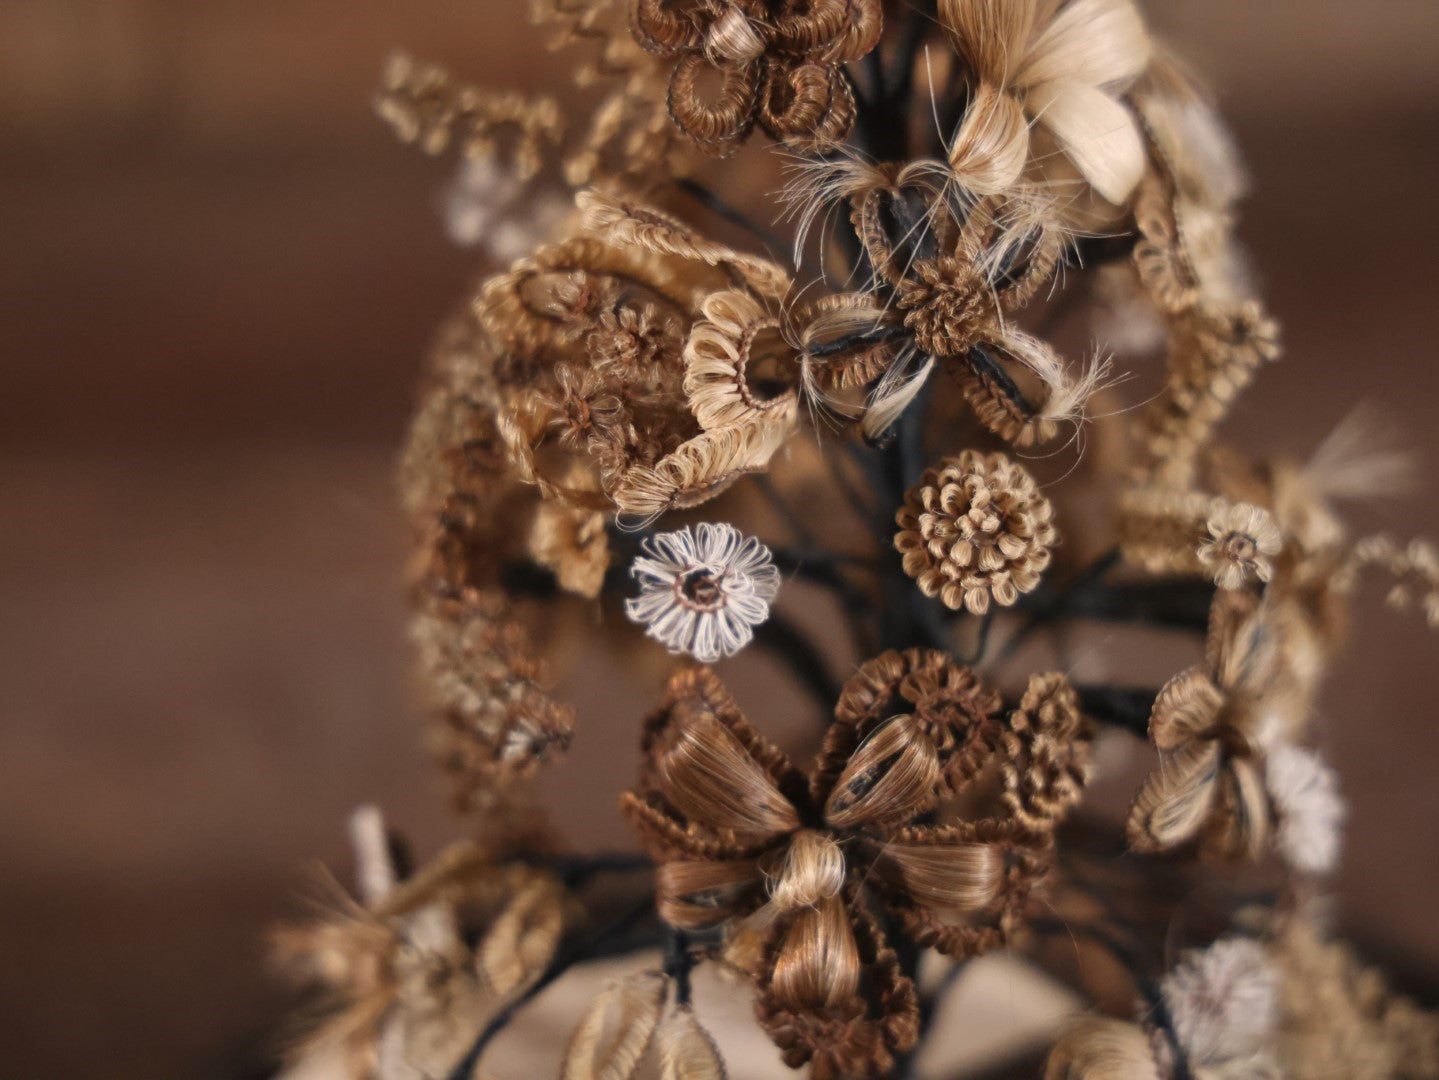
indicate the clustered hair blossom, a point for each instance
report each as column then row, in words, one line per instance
column 857, row 420
column 703, row 591
column 975, row 530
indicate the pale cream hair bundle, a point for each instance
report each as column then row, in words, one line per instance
column 685, row 1050
column 523, row 938
column 615, row 1030
column 1063, row 66
column 1096, row 1048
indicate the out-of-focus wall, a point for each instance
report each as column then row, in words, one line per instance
column 218, row 275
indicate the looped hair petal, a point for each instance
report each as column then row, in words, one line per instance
column 714, row 125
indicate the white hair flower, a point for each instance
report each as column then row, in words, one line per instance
column 1311, row 811
column 703, row 591
column 1224, row 1003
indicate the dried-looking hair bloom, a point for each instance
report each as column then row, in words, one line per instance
column 409, row 970
column 703, row 591
column 975, row 529
column 1241, row 540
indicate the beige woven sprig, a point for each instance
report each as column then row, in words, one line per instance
column 1218, row 333
column 976, row 530
column 493, row 720
column 428, row 107
column 629, row 1026
column 629, row 140
column 1413, row 566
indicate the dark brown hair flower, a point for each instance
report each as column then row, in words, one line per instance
column 737, row 831
column 778, row 62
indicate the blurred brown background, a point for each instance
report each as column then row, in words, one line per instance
column 217, row 277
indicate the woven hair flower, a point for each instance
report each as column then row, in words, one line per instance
column 1242, row 538
column 1212, row 725
column 703, row 590
column 975, row 530
column 945, row 269
column 780, row 63
column 738, row 831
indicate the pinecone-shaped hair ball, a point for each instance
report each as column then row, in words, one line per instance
column 975, row 530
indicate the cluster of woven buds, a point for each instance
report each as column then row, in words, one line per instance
column 1221, row 1018
column 415, row 966
column 975, row 530
column 1044, row 753
column 641, row 368
column 738, row 831
column 1228, row 774
column 777, row 62
column 630, row 1024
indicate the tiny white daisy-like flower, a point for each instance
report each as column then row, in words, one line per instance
column 703, row 590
